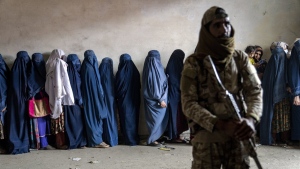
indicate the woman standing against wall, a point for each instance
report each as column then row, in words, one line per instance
column 75, row 130
column 110, row 126
column 60, row 93
column 177, row 122
column 155, row 92
column 294, row 82
column 93, row 98
column 276, row 108
column 128, row 97
column 4, row 75
column 17, row 105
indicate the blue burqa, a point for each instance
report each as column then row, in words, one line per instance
column 36, row 85
column 155, row 90
column 110, row 126
column 17, row 105
column 294, row 82
column 4, row 75
column 128, row 98
column 73, row 115
column 274, row 90
column 177, row 122
column 94, row 105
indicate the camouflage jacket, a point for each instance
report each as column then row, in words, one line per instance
column 204, row 101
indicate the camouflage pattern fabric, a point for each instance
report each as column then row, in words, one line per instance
column 228, row 154
column 204, row 101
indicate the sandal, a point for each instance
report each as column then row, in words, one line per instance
column 101, row 145
column 273, row 144
column 164, row 148
column 171, row 148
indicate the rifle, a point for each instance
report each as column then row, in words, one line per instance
column 247, row 143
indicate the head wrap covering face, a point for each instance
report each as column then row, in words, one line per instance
column 283, row 45
column 220, row 49
column 37, row 78
column 174, row 68
column 39, row 65
column 91, row 58
column 58, row 83
column 123, row 59
column 107, row 75
column 55, row 54
column 73, row 60
column 74, row 65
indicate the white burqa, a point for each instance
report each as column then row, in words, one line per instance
column 57, row 83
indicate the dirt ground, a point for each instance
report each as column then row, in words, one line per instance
column 137, row 157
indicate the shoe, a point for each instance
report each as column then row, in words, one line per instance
column 289, row 143
column 63, row 147
column 178, row 141
column 101, row 145
column 48, row 147
column 154, row 144
column 82, row 147
column 2, row 151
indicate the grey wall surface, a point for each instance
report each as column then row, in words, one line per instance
column 114, row 27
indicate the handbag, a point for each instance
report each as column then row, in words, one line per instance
column 39, row 107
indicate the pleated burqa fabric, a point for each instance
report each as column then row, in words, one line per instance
column 17, row 105
column 155, row 90
column 294, row 82
column 74, row 118
column 4, row 81
column 39, row 127
column 128, row 98
column 177, row 122
column 110, row 126
column 274, row 91
column 93, row 99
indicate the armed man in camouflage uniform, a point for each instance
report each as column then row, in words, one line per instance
column 217, row 132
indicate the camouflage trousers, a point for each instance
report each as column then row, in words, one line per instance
column 228, row 155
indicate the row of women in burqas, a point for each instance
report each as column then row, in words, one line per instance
column 280, row 121
column 84, row 99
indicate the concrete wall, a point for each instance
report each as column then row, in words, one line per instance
column 114, row 27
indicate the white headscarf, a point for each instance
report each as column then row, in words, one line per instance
column 57, row 83
column 284, row 45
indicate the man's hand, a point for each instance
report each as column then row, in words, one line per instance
column 163, row 104
column 240, row 130
column 245, row 129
